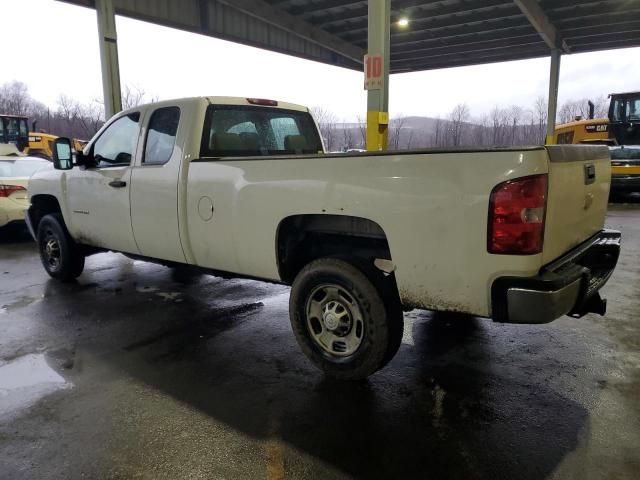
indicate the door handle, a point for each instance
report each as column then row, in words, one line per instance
column 118, row 184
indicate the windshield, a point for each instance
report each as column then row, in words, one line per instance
column 22, row 168
column 625, row 109
column 233, row 130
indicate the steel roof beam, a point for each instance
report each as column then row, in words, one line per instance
column 486, row 21
column 452, row 14
column 281, row 19
column 307, row 10
column 521, row 49
column 547, row 30
column 470, row 48
column 461, row 60
column 416, row 12
column 589, row 32
column 597, row 21
column 515, row 34
column 598, row 15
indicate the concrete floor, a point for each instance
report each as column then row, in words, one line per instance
column 138, row 371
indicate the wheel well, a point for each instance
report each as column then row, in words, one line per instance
column 42, row 205
column 304, row 238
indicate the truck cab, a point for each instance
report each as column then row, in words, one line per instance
column 624, row 118
column 14, row 129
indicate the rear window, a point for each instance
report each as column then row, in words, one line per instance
column 22, row 168
column 232, row 130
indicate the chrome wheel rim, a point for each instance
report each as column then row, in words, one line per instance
column 51, row 250
column 334, row 320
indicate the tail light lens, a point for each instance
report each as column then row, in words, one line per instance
column 6, row 190
column 516, row 216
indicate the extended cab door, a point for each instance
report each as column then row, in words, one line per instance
column 99, row 196
column 154, row 187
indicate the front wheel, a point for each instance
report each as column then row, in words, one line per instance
column 61, row 257
column 341, row 320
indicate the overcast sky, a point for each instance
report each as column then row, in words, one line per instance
column 62, row 56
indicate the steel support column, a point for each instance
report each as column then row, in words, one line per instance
column 109, row 57
column 379, row 41
column 554, row 80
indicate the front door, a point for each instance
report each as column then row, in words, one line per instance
column 154, row 193
column 99, row 203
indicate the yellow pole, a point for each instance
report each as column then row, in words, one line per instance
column 377, row 131
column 376, row 66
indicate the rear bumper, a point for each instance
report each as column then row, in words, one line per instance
column 568, row 285
column 11, row 214
column 625, row 183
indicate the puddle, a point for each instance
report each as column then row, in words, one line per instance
column 26, row 380
column 20, row 302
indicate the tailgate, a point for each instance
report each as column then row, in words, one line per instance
column 579, row 181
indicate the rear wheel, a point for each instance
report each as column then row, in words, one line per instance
column 345, row 322
column 60, row 255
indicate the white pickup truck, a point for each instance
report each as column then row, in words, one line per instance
column 242, row 187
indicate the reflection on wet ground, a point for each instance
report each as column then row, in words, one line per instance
column 24, row 381
column 181, row 375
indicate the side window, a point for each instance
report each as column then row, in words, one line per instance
column 24, row 128
column 633, row 109
column 618, row 111
column 161, row 136
column 283, row 127
column 244, row 127
column 117, row 143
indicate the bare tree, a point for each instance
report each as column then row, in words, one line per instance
column 515, row 118
column 479, row 131
column 327, row 122
column 540, row 109
column 438, row 133
column 132, row 96
column 571, row 110
column 362, row 127
column 14, row 98
column 67, row 115
column 409, row 141
column 499, row 119
column 347, row 137
column 459, row 117
column 395, row 130
column 91, row 117
column 69, row 118
column 601, row 105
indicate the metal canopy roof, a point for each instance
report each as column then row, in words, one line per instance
column 441, row 33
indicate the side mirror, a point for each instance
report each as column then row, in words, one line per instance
column 62, row 154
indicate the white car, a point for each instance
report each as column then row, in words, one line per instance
column 15, row 170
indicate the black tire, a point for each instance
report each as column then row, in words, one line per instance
column 371, row 327
column 61, row 257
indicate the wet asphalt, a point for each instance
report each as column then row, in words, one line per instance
column 144, row 372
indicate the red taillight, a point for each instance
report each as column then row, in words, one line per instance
column 516, row 216
column 262, row 101
column 6, row 190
